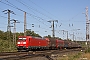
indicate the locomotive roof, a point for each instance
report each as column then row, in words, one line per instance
column 31, row 37
column 38, row 37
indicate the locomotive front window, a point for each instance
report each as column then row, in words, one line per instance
column 22, row 38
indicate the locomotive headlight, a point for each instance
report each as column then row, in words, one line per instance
column 24, row 42
column 18, row 43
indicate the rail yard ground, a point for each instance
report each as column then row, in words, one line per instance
column 72, row 56
column 68, row 54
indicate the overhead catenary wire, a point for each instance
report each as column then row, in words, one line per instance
column 32, row 16
column 36, row 17
column 55, row 16
column 20, row 10
column 5, row 18
column 29, row 7
column 14, row 7
column 42, row 9
column 39, row 18
column 34, row 10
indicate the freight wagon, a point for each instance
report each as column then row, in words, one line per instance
column 56, row 44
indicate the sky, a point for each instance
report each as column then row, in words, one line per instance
column 69, row 13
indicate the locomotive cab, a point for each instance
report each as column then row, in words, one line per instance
column 22, row 43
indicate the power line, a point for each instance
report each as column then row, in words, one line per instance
column 3, row 16
column 23, row 3
column 12, row 6
column 42, row 8
column 39, row 18
column 32, row 14
column 23, row 11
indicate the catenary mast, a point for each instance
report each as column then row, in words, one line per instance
column 87, row 26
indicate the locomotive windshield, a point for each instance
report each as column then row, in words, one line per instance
column 22, row 38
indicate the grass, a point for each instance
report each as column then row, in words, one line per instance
column 76, row 56
column 87, row 51
column 85, row 55
column 71, row 56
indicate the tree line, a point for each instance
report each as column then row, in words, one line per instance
column 4, row 35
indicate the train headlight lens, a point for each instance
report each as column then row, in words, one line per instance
column 24, row 42
column 18, row 42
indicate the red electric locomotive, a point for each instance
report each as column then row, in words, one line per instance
column 31, row 43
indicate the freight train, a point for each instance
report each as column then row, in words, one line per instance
column 35, row 43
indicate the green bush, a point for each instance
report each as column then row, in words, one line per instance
column 6, row 46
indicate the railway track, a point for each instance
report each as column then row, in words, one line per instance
column 31, row 54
